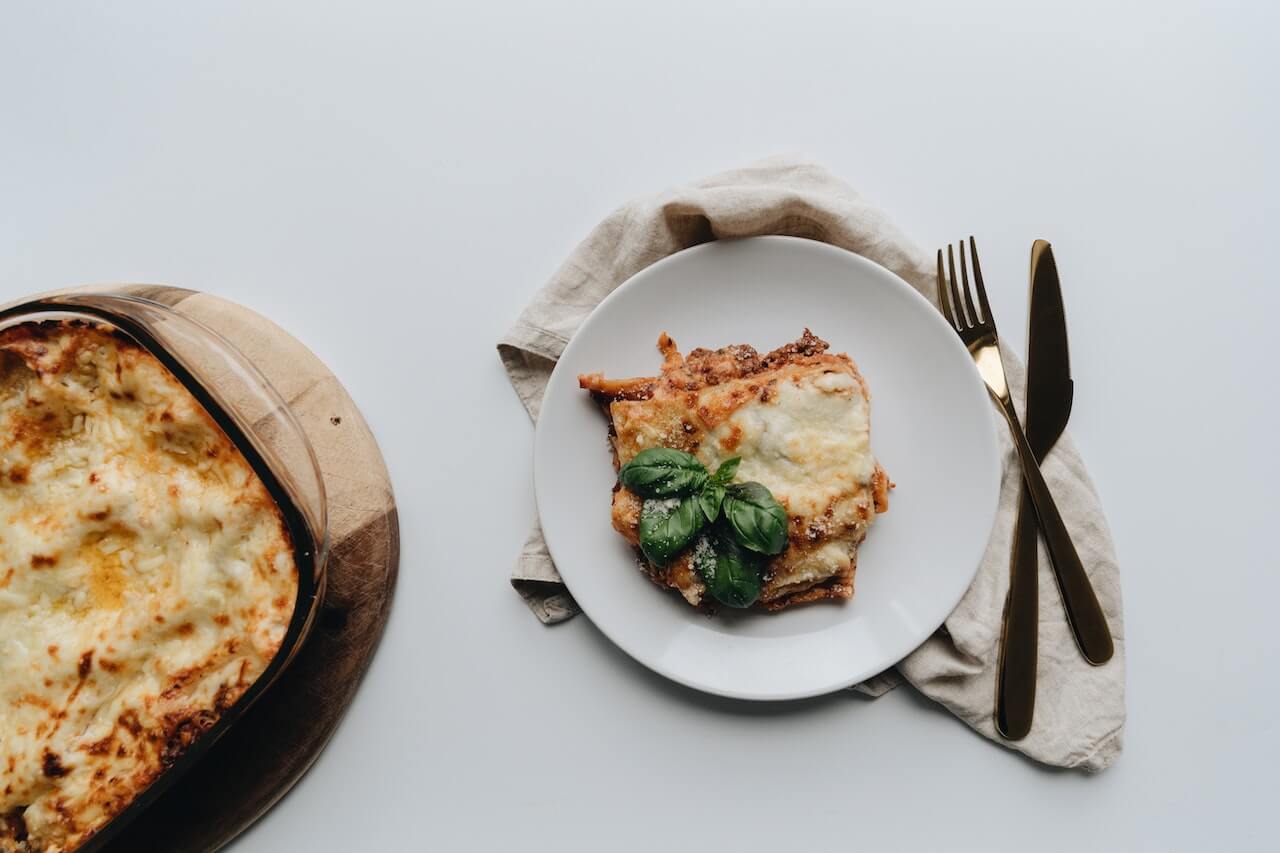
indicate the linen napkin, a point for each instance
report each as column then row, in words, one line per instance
column 1080, row 710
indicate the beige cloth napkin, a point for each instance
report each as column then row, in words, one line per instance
column 1080, row 711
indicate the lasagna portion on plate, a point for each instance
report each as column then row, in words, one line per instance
column 147, row 578
column 799, row 419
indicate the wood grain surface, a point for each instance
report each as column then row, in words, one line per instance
column 267, row 751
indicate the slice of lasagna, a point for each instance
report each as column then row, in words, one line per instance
column 799, row 419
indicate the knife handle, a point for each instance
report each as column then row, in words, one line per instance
column 1088, row 622
column 1016, row 674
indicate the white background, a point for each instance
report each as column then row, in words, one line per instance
column 391, row 182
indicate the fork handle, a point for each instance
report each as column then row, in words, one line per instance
column 1016, row 673
column 1088, row 622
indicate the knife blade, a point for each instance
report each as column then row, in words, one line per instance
column 1049, row 397
column 1049, row 386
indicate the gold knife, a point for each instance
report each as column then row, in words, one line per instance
column 1049, row 397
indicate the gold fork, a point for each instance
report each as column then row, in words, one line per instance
column 977, row 329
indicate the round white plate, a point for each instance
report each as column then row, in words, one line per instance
column 932, row 428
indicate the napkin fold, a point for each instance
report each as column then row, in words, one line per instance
column 1080, row 710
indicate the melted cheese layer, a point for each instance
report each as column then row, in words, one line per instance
column 146, row 578
column 810, row 443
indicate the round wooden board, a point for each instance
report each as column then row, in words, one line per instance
column 267, row 751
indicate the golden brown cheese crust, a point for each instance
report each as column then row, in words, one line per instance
column 716, row 404
column 146, row 578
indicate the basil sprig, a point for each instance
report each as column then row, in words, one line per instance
column 682, row 498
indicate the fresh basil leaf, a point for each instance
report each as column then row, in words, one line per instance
column 710, row 498
column 667, row 526
column 661, row 472
column 724, row 474
column 733, row 575
column 759, row 522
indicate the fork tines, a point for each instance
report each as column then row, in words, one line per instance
column 962, row 314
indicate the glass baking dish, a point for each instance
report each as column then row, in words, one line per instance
column 255, row 418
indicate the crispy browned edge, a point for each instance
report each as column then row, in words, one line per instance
column 177, row 732
column 703, row 368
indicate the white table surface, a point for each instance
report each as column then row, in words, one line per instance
column 391, row 182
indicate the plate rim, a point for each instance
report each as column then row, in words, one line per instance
column 637, row 279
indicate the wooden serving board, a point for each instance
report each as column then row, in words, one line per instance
column 275, row 742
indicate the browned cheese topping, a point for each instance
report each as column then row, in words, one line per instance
column 146, row 578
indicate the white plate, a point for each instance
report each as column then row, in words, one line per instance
column 932, row 428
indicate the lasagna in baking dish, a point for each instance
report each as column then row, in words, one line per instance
column 147, row 578
column 798, row 422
